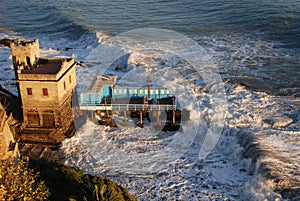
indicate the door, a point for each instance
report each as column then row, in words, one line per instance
column 33, row 118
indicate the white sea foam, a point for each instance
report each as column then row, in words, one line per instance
column 224, row 173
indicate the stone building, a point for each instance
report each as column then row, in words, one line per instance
column 45, row 86
column 25, row 52
column 24, row 55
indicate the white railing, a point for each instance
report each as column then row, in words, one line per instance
column 128, row 107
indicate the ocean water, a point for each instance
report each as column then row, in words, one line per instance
column 255, row 46
column 255, row 39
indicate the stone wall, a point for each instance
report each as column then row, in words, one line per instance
column 25, row 51
column 57, row 90
column 46, row 89
column 9, row 146
column 38, row 106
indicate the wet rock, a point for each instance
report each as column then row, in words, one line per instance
column 121, row 64
column 68, row 48
column 282, row 121
column 6, row 42
column 296, row 125
column 290, row 192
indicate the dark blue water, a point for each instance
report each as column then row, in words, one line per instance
column 254, row 43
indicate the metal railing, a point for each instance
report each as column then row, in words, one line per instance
column 127, row 107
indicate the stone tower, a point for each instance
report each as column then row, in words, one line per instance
column 45, row 86
column 25, row 52
column 24, row 55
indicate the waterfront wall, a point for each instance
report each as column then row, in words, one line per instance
column 9, row 146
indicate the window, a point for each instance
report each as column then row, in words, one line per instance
column 45, row 91
column 65, row 86
column 70, row 79
column 28, row 61
column 162, row 91
column 29, row 91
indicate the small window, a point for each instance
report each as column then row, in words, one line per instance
column 167, row 91
column 135, row 91
column 29, row 91
column 70, row 79
column 156, row 91
column 162, row 91
column 151, row 91
column 45, row 91
column 65, row 86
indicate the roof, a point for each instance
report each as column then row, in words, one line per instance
column 99, row 82
column 49, row 68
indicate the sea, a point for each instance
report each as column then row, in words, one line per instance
column 255, row 47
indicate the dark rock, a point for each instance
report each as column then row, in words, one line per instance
column 6, row 42
column 68, row 48
column 121, row 64
column 11, row 103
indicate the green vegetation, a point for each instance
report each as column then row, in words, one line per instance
column 67, row 183
column 55, row 182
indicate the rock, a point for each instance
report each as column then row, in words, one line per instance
column 296, row 125
column 6, row 42
column 298, row 117
column 68, row 48
column 121, row 63
column 282, row 121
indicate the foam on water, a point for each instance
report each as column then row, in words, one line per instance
column 266, row 162
column 254, row 61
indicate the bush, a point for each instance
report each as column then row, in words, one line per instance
column 17, row 182
column 67, row 183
